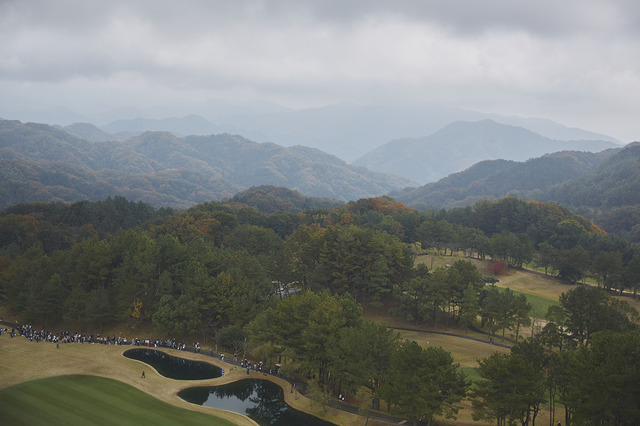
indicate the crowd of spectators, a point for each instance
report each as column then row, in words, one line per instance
column 27, row 331
column 34, row 335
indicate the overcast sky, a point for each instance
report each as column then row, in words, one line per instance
column 573, row 61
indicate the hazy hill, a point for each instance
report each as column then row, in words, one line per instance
column 43, row 163
column 42, row 142
column 89, row 131
column 495, row 179
column 461, row 144
column 181, row 126
column 243, row 162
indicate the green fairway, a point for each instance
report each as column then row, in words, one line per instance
column 539, row 305
column 84, row 400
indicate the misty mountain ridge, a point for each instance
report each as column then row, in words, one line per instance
column 44, row 163
column 462, row 144
column 451, row 149
column 184, row 126
column 89, row 132
column 348, row 131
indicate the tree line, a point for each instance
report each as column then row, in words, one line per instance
column 595, row 384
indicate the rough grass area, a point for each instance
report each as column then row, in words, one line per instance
column 464, row 351
column 531, row 283
column 83, row 400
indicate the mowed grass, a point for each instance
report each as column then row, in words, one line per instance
column 83, row 400
column 539, row 304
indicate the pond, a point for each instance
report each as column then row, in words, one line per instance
column 261, row 400
column 174, row 367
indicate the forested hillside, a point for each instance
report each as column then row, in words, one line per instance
column 292, row 285
column 610, row 195
column 495, row 179
column 603, row 187
column 44, row 163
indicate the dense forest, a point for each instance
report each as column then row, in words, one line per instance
column 290, row 287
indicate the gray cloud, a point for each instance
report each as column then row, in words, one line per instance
column 573, row 61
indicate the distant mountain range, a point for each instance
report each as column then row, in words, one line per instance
column 347, row 131
column 451, row 149
column 462, row 144
column 185, row 126
column 39, row 162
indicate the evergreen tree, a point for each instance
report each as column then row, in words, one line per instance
column 423, row 383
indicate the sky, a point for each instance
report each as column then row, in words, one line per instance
column 573, row 61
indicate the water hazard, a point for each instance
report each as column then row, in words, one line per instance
column 174, row 367
column 261, row 400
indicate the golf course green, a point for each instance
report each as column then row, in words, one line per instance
column 82, row 400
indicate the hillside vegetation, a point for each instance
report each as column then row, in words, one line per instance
column 610, row 194
column 495, row 179
column 603, row 187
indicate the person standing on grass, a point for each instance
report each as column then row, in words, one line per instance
column 143, row 376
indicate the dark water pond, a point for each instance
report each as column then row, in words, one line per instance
column 174, row 367
column 261, row 400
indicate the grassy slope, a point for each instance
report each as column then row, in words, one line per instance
column 81, row 400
